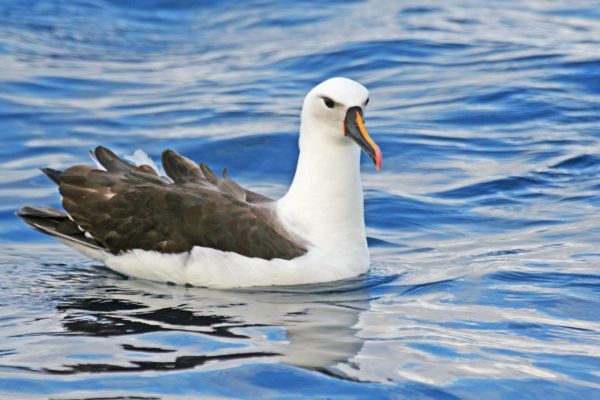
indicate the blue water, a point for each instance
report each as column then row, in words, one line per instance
column 484, row 224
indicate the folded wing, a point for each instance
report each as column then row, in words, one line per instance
column 130, row 207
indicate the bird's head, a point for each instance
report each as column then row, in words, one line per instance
column 336, row 108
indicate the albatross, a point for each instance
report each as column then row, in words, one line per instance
column 195, row 227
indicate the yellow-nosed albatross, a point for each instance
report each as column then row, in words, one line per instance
column 193, row 227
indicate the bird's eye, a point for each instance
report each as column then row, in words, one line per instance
column 367, row 102
column 328, row 102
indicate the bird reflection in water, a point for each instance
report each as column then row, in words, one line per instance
column 150, row 326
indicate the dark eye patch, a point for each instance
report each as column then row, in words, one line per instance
column 328, row 102
column 367, row 102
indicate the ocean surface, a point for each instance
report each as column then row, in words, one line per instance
column 484, row 224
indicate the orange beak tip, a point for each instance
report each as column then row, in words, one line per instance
column 378, row 160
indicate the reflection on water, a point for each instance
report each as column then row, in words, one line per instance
column 483, row 224
column 315, row 325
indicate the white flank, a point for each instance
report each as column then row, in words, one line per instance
column 213, row 268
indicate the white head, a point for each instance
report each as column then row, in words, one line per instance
column 324, row 204
column 334, row 110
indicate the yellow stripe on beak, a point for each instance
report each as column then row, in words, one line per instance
column 365, row 135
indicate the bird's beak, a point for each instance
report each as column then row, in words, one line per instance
column 354, row 127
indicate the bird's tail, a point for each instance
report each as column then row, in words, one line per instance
column 57, row 223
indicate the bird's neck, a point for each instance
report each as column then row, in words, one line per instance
column 325, row 201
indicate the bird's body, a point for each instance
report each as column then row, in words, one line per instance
column 193, row 227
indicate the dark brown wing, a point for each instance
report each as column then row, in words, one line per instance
column 129, row 207
column 183, row 170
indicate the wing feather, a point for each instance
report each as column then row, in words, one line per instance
column 127, row 207
column 110, row 161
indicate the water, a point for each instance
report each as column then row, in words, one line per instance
column 484, row 224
